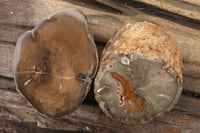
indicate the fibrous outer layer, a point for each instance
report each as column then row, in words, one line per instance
column 140, row 74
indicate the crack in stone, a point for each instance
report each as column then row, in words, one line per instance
column 59, row 77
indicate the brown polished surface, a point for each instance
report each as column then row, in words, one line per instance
column 55, row 62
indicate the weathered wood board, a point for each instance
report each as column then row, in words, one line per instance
column 105, row 17
column 187, row 8
column 184, row 118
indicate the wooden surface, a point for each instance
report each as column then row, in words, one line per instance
column 88, row 117
column 104, row 17
column 187, row 8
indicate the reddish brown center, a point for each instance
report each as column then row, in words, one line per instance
column 129, row 95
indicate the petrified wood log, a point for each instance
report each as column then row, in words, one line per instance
column 104, row 17
column 18, row 16
column 140, row 75
column 54, row 63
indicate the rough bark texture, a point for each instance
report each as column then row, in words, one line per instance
column 140, row 74
column 104, row 16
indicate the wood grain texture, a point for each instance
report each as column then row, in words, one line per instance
column 189, row 105
column 90, row 118
column 8, row 126
column 105, row 17
column 195, row 2
column 187, row 8
column 6, row 58
column 7, row 83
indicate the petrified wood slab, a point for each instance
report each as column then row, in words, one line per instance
column 55, row 62
column 140, row 75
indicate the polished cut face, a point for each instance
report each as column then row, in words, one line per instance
column 55, row 63
column 135, row 93
column 140, row 74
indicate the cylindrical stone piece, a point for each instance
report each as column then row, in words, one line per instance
column 140, row 74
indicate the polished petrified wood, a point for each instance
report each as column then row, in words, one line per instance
column 55, row 62
column 140, row 74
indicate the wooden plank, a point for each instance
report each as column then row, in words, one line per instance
column 7, row 126
column 195, row 2
column 90, row 118
column 10, row 33
column 181, row 7
column 189, row 104
column 177, row 119
column 191, row 69
column 6, row 58
column 191, row 84
column 7, row 83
